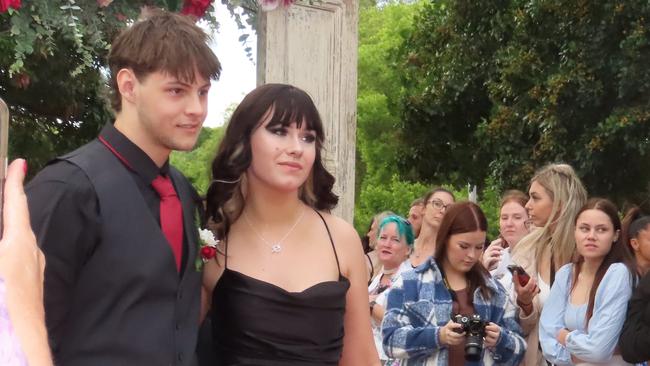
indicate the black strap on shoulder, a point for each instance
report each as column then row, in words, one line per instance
column 372, row 267
column 338, row 265
column 225, row 252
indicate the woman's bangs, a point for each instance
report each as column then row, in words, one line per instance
column 292, row 109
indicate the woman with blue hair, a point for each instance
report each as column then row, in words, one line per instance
column 394, row 244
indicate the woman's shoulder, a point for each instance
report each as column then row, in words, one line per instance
column 564, row 272
column 345, row 238
column 524, row 255
column 339, row 228
column 618, row 271
column 617, row 267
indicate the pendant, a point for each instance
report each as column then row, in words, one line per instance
column 276, row 248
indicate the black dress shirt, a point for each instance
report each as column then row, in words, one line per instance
column 66, row 218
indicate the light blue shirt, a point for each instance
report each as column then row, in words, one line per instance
column 592, row 343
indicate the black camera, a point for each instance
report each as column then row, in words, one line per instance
column 474, row 329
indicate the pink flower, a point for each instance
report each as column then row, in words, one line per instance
column 6, row 4
column 268, row 5
column 196, row 8
column 104, row 3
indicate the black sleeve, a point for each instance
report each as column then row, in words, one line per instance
column 64, row 216
column 634, row 341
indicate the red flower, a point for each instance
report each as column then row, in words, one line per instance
column 6, row 4
column 208, row 253
column 195, row 7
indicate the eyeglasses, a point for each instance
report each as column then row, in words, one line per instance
column 438, row 204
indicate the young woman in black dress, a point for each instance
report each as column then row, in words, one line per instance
column 288, row 286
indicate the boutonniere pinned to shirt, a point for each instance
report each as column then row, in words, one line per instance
column 207, row 248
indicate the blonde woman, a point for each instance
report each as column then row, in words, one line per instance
column 556, row 195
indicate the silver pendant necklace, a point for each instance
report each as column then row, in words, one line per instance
column 277, row 246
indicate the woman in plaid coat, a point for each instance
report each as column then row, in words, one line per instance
column 418, row 329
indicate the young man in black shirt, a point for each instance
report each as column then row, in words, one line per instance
column 113, row 218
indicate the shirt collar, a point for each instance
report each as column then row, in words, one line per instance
column 138, row 160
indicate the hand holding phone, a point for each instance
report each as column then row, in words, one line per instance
column 518, row 272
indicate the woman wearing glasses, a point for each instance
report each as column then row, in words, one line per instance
column 435, row 206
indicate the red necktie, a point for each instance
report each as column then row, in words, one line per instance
column 171, row 216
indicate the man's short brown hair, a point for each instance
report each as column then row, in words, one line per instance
column 162, row 41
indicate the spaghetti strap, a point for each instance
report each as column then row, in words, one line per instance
column 372, row 267
column 338, row 265
column 225, row 255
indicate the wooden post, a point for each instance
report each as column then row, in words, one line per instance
column 314, row 47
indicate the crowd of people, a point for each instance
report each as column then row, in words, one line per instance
column 564, row 283
column 120, row 275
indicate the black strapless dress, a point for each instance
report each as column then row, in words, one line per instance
column 258, row 323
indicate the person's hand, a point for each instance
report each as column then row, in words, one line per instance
column 21, row 267
column 561, row 336
column 492, row 255
column 576, row 360
column 21, row 261
column 449, row 334
column 525, row 294
column 492, row 332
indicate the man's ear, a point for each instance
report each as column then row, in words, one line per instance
column 126, row 84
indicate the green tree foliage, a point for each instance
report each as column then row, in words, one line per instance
column 381, row 31
column 195, row 164
column 500, row 88
column 445, row 63
column 394, row 195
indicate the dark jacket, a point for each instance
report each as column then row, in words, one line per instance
column 634, row 341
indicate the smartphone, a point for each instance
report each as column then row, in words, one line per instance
column 521, row 275
column 4, row 141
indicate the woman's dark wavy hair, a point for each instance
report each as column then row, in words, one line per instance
column 288, row 104
column 463, row 217
column 618, row 253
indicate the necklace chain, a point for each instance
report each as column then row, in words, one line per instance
column 277, row 246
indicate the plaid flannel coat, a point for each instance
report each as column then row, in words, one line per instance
column 419, row 304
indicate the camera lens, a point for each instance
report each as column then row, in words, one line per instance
column 473, row 347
